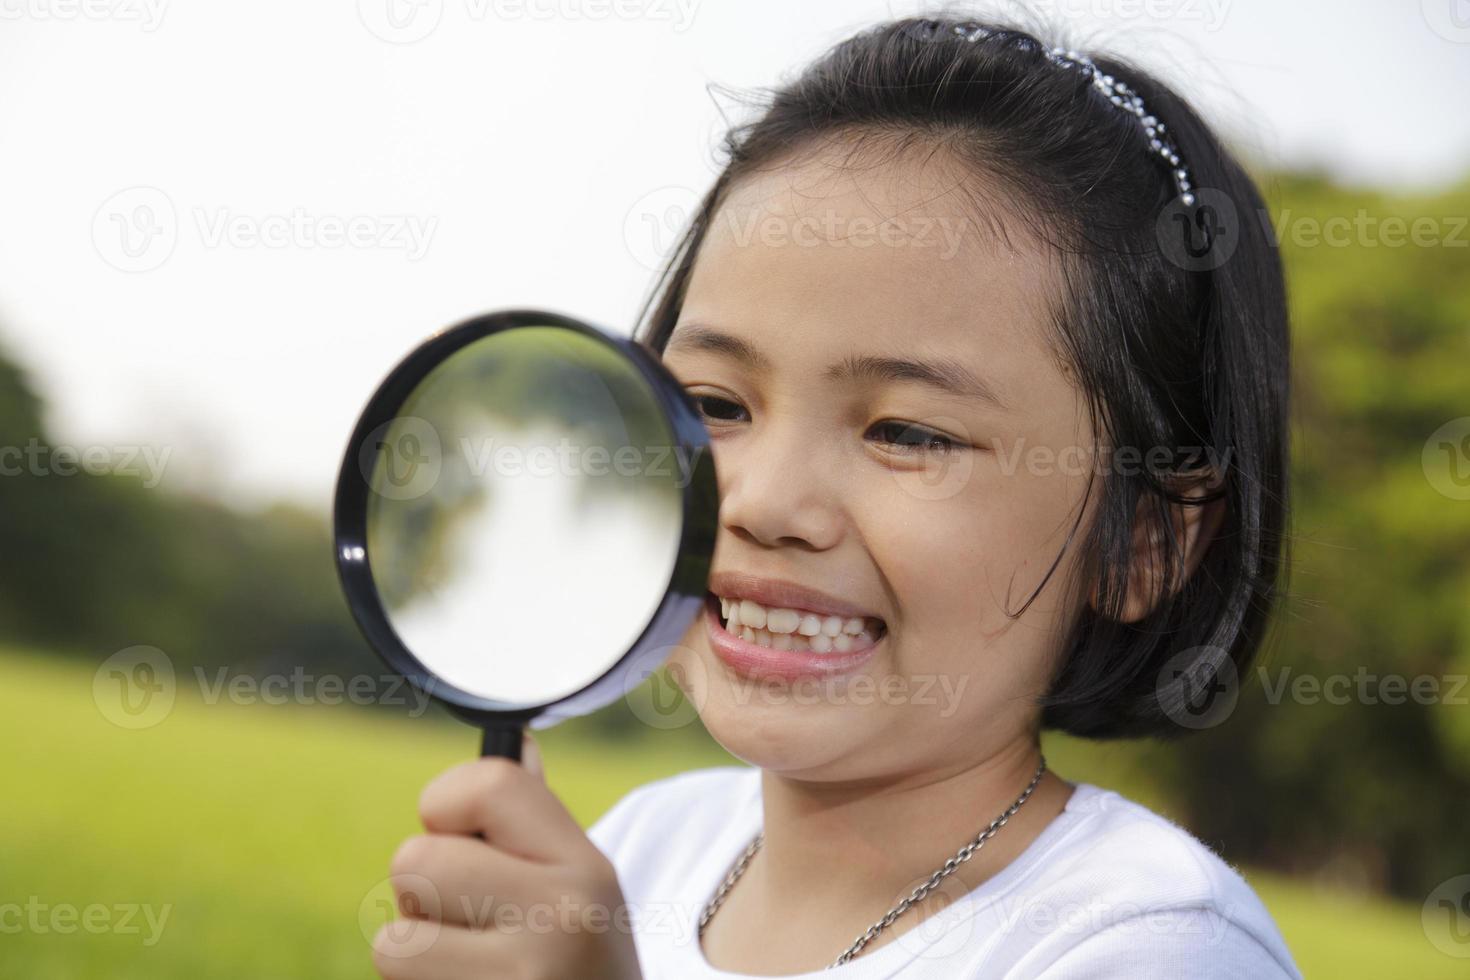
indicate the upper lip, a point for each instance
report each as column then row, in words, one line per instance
column 777, row 593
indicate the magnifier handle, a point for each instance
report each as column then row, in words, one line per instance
column 503, row 741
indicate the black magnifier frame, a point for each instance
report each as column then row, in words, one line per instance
column 684, row 595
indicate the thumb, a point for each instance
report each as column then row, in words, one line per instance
column 531, row 756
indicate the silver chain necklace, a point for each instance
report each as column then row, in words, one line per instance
column 948, row 868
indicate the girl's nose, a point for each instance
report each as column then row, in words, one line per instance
column 779, row 488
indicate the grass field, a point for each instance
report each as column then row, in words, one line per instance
column 263, row 834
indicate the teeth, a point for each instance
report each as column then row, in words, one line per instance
column 783, row 620
column 792, row 629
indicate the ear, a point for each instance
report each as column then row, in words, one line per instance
column 1195, row 527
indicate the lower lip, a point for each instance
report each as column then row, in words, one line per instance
column 758, row 662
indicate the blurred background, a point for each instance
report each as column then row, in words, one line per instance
column 221, row 223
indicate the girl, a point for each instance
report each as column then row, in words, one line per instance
column 996, row 382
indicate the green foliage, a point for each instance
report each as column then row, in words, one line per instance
column 266, row 832
column 20, row 409
column 99, row 562
column 1380, row 581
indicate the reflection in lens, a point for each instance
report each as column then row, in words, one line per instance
column 543, row 543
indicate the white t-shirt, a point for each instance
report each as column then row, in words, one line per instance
column 1109, row 890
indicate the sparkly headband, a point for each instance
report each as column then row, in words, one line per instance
column 1120, row 95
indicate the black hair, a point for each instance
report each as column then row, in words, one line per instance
column 1174, row 346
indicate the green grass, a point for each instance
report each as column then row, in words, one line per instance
column 265, row 833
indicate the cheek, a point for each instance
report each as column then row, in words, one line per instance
column 951, row 560
column 942, row 536
column 947, row 566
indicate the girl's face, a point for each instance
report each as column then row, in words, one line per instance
column 825, row 484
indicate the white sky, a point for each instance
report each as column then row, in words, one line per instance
column 529, row 142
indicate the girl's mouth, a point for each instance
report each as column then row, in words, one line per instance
column 784, row 643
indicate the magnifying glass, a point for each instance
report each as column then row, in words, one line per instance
column 524, row 519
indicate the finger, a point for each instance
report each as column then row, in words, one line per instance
column 531, row 757
column 441, row 952
column 513, row 808
column 459, row 880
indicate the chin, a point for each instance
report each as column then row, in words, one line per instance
column 778, row 728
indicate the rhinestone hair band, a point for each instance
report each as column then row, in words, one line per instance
column 1119, row 94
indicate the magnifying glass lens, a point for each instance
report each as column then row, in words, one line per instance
column 525, row 515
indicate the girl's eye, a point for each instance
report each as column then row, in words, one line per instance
column 710, row 406
column 909, row 438
column 905, row 437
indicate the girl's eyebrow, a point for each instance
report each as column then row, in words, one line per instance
column 948, row 376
